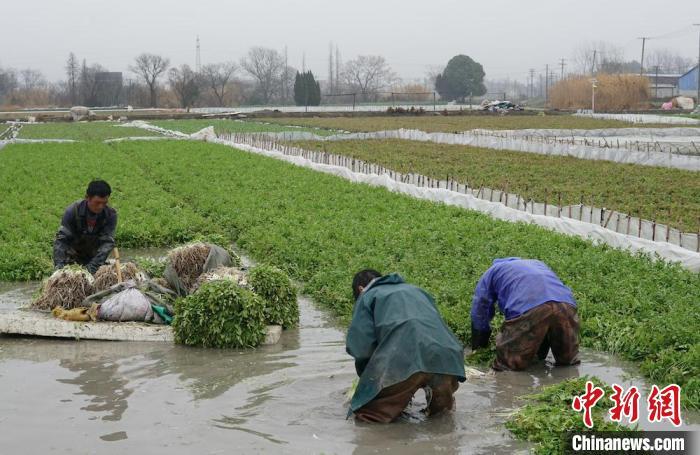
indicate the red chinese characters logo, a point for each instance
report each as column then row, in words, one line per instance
column 662, row 404
column 626, row 404
column 587, row 401
column 665, row 404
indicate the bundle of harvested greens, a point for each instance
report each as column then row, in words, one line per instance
column 66, row 288
column 106, row 276
column 234, row 274
column 220, row 314
column 280, row 296
column 188, row 262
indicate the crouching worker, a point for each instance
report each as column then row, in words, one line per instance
column 86, row 236
column 400, row 344
column 539, row 310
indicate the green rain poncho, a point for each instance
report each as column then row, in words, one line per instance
column 396, row 331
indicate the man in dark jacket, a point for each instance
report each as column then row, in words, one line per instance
column 86, row 236
column 400, row 344
column 540, row 313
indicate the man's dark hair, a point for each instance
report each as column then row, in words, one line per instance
column 363, row 278
column 99, row 188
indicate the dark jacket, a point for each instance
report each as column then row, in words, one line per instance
column 76, row 243
column 396, row 331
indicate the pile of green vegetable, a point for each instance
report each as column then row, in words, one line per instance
column 548, row 415
column 220, row 314
column 278, row 292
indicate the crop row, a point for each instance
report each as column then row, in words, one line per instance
column 80, row 131
column 222, row 126
column 671, row 196
column 453, row 123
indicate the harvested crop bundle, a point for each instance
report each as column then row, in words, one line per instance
column 188, row 262
column 106, row 275
column 66, row 288
column 222, row 273
column 154, row 268
column 275, row 287
column 220, row 314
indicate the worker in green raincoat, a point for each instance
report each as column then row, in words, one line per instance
column 400, row 344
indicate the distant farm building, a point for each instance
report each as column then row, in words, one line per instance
column 688, row 83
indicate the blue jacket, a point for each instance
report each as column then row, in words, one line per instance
column 518, row 285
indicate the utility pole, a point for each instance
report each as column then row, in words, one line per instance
column 337, row 69
column 697, row 100
column 532, row 83
column 198, row 58
column 330, row 68
column 303, row 62
column 641, row 64
column 656, row 82
column 285, row 83
column 546, row 85
column 562, row 63
column 595, row 53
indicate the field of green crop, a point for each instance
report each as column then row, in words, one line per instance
column 81, row 131
column 321, row 229
column 227, row 126
column 453, row 123
column 37, row 182
column 671, row 196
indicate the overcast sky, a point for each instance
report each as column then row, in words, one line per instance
column 507, row 36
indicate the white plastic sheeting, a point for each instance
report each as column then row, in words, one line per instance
column 569, row 226
column 334, row 108
column 202, row 135
column 600, row 132
column 641, row 118
column 586, row 152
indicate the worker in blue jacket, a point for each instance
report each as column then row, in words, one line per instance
column 540, row 313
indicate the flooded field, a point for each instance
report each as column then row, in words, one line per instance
column 59, row 396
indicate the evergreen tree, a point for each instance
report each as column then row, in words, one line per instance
column 307, row 91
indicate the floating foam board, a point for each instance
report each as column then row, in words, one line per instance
column 37, row 323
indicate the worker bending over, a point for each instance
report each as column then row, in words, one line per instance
column 400, row 344
column 86, row 236
column 540, row 313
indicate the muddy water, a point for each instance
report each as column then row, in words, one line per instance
column 60, row 396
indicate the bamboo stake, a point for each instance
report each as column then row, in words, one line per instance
column 118, row 264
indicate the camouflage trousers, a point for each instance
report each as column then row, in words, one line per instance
column 552, row 325
column 391, row 401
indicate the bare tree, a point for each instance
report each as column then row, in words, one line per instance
column 266, row 66
column 368, row 74
column 217, row 76
column 32, row 79
column 88, row 83
column 668, row 61
column 591, row 56
column 72, row 70
column 185, row 83
column 8, row 83
column 150, row 67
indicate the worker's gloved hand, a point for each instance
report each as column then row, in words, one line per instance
column 480, row 339
column 92, row 268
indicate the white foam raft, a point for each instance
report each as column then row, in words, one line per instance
column 43, row 324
